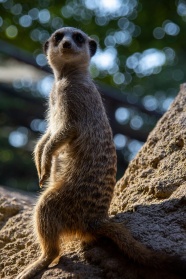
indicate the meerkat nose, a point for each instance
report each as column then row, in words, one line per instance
column 67, row 44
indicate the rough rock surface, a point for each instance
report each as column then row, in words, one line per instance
column 150, row 199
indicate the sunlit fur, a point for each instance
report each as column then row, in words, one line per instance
column 76, row 161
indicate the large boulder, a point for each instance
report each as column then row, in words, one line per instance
column 150, row 200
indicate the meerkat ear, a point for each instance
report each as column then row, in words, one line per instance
column 93, row 47
column 45, row 47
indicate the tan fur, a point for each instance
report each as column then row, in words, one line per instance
column 76, row 159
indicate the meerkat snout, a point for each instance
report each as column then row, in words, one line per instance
column 67, row 44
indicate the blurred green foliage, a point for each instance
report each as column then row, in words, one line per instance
column 142, row 53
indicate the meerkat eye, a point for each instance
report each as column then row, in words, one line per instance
column 58, row 37
column 78, row 37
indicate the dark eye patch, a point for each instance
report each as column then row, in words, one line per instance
column 78, row 38
column 58, row 37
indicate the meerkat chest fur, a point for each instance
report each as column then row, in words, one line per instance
column 57, row 107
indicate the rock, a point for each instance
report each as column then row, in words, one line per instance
column 151, row 196
column 150, row 200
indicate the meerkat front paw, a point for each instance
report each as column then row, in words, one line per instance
column 37, row 158
column 43, row 178
column 45, row 173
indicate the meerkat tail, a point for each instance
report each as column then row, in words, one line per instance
column 137, row 251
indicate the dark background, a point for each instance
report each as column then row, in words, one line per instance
column 138, row 68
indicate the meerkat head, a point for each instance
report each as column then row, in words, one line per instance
column 69, row 47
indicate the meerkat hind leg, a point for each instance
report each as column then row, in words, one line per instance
column 49, row 256
column 35, row 268
column 49, row 236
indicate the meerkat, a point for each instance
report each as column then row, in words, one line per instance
column 76, row 159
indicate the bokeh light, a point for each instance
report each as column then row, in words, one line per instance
column 122, row 115
column 19, row 137
column 120, row 141
column 11, row 31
